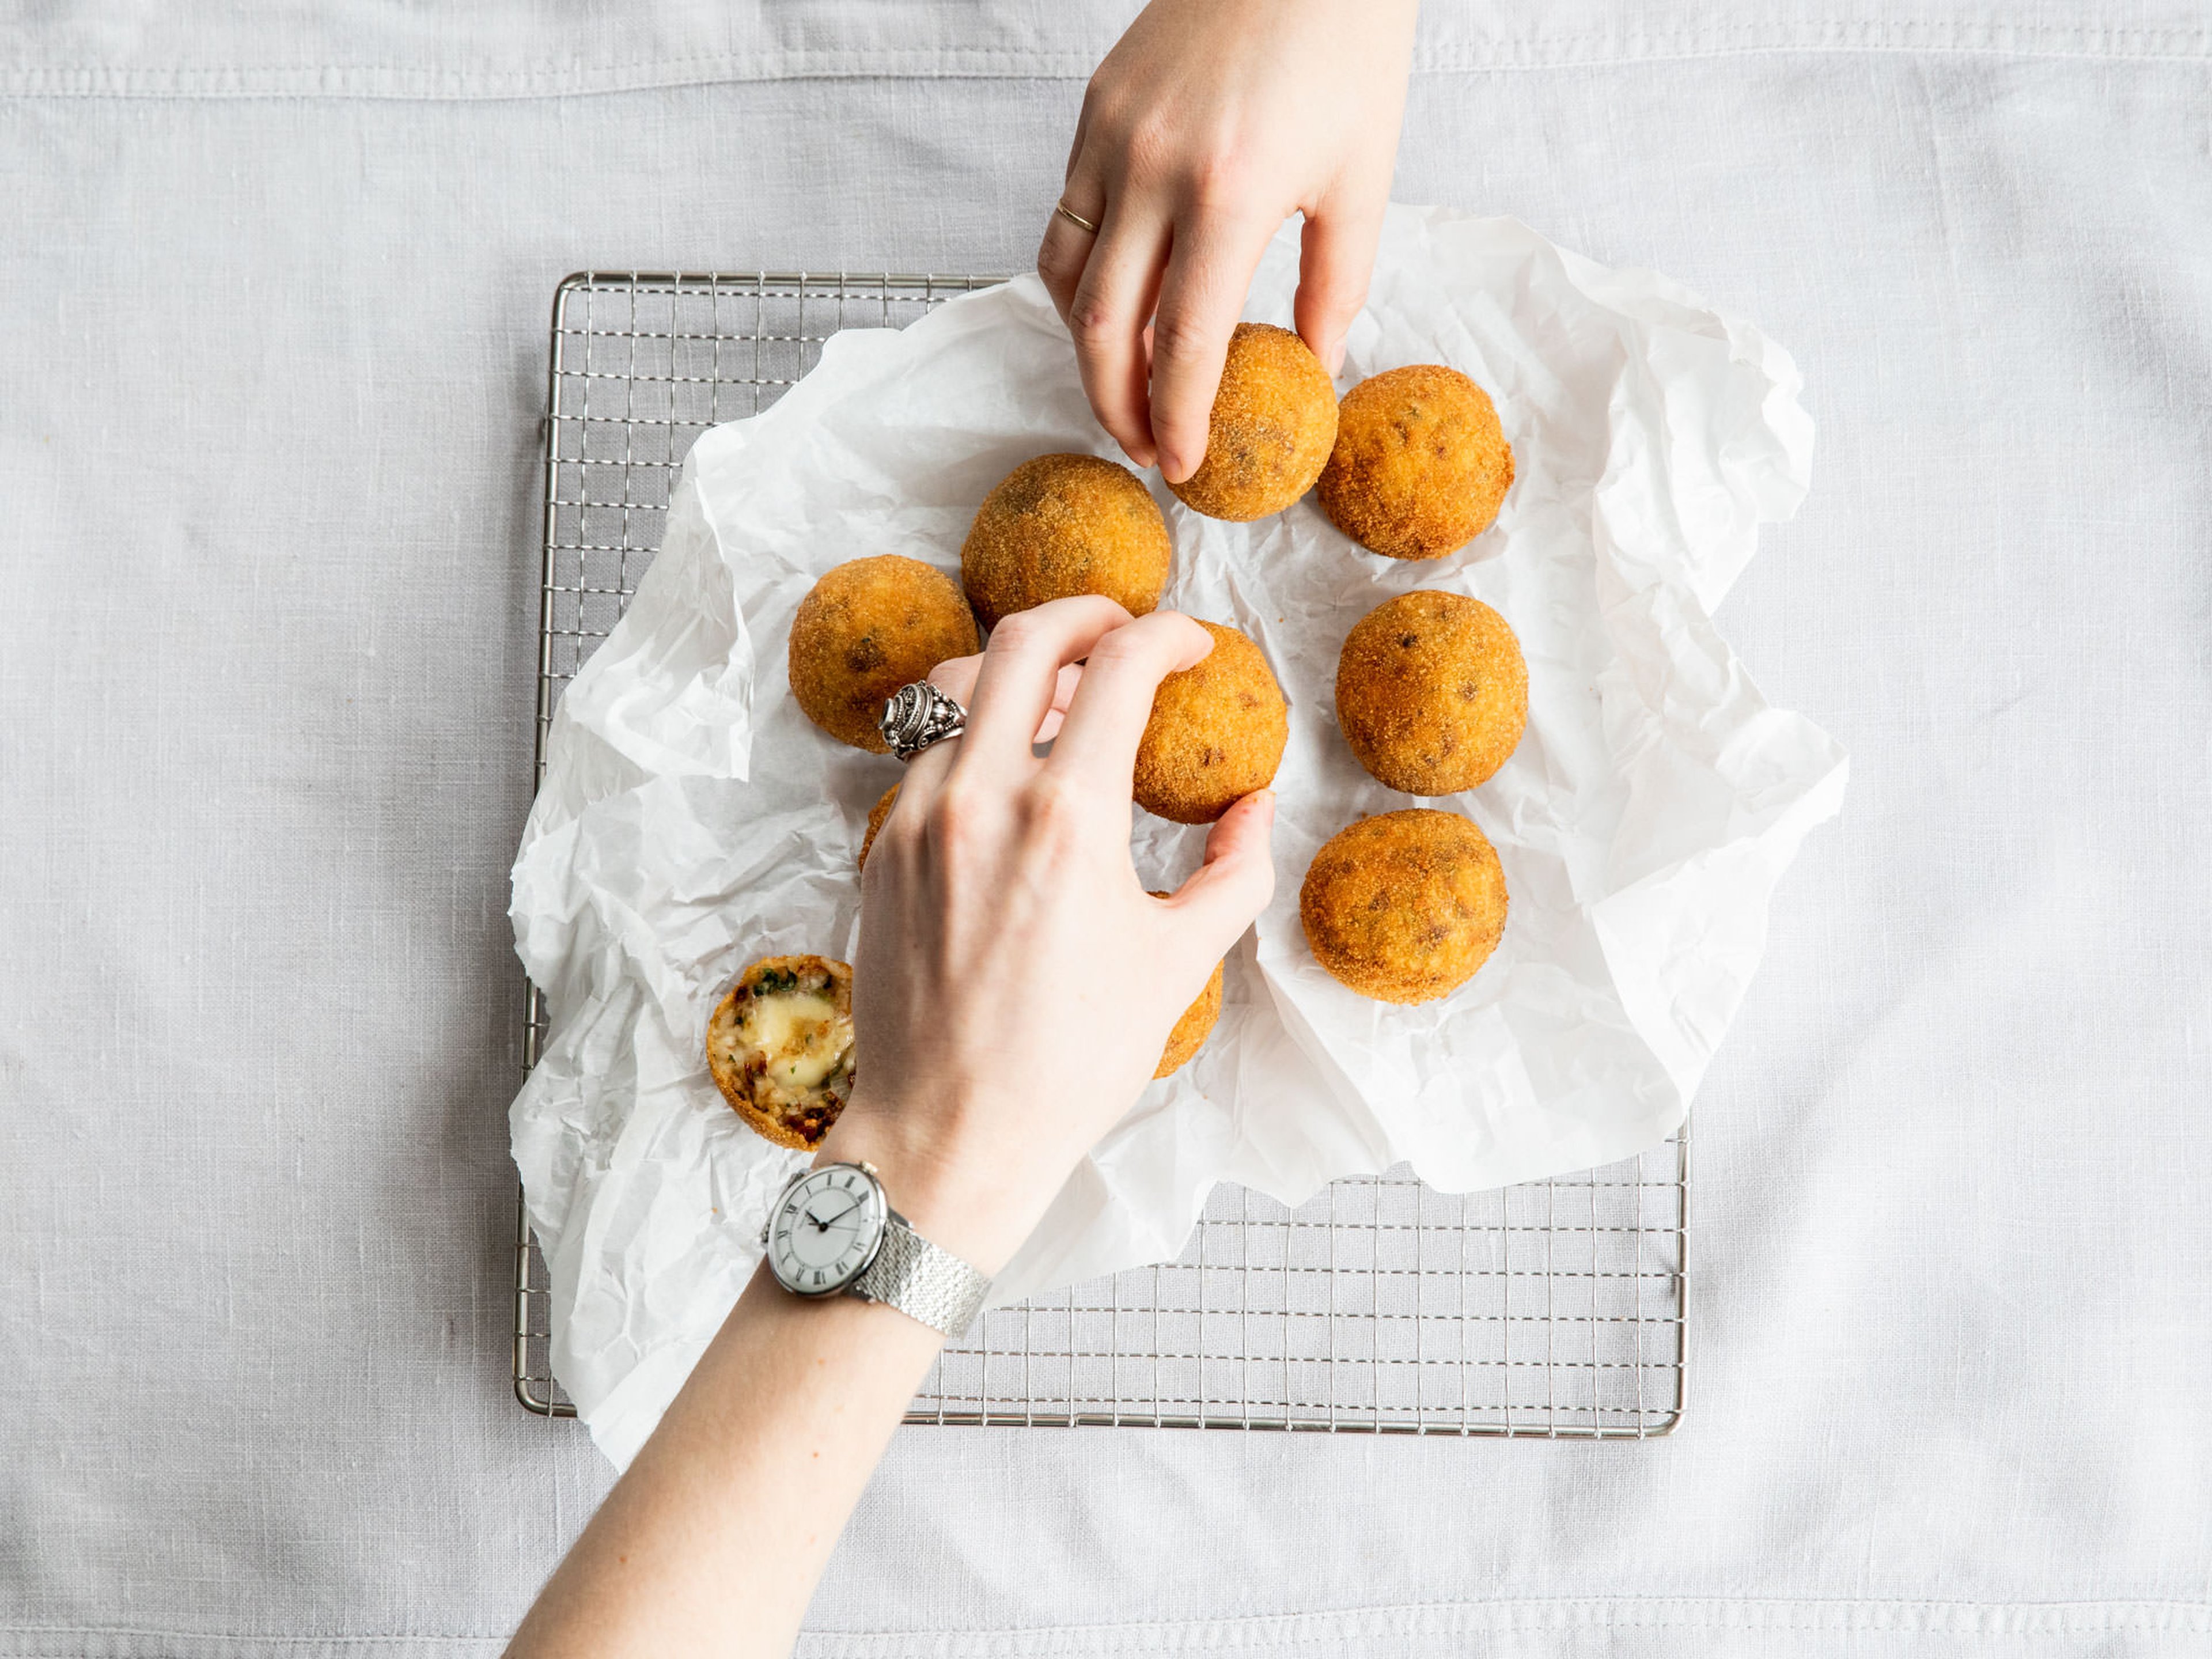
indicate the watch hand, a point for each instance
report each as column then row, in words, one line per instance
column 820, row 1225
column 839, row 1216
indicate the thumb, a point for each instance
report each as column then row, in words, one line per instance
column 1230, row 889
column 1336, row 258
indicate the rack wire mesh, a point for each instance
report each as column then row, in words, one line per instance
column 1553, row 1309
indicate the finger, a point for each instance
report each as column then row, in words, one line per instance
column 1230, row 889
column 1209, row 273
column 1067, row 247
column 1018, row 680
column 1063, row 694
column 1107, row 314
column 956, row 678
column 1075, row 145
column 1336, row 258
column 1099, row 741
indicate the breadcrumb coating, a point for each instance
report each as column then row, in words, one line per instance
column 1273, row 422
column 1063, row 525
column 1420, row 464
column 1432, row 692
column 1404, row 907
column 1216, row 733
column 868, row 627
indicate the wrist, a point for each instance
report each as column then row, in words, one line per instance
column 970, row 1199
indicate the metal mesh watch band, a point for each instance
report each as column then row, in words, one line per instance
column 921, row 1280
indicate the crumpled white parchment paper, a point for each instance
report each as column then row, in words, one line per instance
column 692, row 819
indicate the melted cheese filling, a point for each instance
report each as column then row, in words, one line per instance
column 802, row 1036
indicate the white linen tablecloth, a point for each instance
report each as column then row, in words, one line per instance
column 272, row 296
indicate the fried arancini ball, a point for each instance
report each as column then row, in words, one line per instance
column 868, row 627
column 1216, row 733
column 877, row 814
column 1420, row 462
column 1196, row 1024
column 1432, row 692
column 780, row 1047
column 1062, row 525
column 1273, row 422
column 1405, row 907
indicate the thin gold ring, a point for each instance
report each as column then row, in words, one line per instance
column 1074, row 218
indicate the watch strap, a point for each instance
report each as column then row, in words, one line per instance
column 921, row 1280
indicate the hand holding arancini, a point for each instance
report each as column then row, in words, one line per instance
column 1215, row 735
column 1404, row 907
column 1432, row 692
column 1271, row 430
column 1205, row 128
column 1006, row 916
column 1420, row 464
column 868, row 627
column 1002, row 884
column 1191, row 1027
column 1063, row 525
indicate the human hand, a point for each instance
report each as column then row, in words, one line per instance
column 1209, row 124
column 1014, row 983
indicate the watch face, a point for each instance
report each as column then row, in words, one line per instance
column 824, row 1229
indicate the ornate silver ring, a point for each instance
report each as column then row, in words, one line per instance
column 919, row 716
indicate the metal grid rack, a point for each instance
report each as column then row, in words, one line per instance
column 1553, row 1309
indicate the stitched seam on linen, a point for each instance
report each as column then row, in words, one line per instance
column 69, row 1641
column 416, row 82
column 2004, row 1621
column 134, row 1631
column 1998, row 1620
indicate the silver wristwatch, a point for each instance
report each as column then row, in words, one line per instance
column 832, row 1230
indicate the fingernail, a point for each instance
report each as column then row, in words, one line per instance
column 1267, row 798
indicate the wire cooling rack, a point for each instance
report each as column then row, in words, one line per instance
column 1553, row 1309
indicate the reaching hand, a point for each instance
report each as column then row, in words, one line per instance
column 1210, row 123
column 1014, row 981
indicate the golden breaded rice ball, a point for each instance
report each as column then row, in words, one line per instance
column 1063, row 525
column 1420, row 464
column 1216, row 733
column 779, row 1047
column 1273, row 422
column 868, row 627
column 1196, row 1024
column 1405, row 907
column 1432, row 692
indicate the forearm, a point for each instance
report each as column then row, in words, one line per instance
column 713, row 1542
column 1015, row 987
